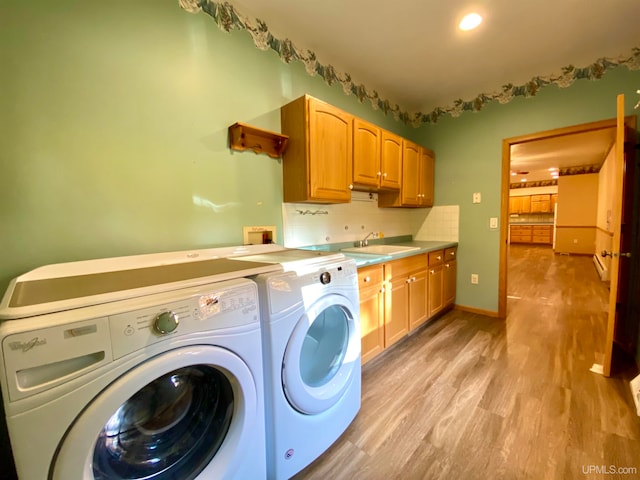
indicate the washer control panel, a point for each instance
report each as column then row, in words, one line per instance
column 201, row 311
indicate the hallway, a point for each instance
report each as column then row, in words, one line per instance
column 476, row 397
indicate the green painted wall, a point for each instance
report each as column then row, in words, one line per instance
column 469, row 159
column 114, row 120
column 115, row 114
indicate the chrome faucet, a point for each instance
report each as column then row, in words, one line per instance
column 364, row 242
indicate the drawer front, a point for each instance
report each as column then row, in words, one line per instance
column 521, row 229
column 542, row 229
column 369, row 276
column 546, row 239
column 405, row 266
column 520, row 238
column 450, row 254
column 436, row 258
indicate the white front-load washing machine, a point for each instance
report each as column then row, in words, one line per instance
column 311, row 346
column 156, row 386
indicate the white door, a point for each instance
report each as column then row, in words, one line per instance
column 183, row 414
column 321, row 355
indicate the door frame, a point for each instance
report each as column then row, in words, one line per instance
column 504, row 206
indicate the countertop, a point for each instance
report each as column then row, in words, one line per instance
column 531, row 223
column 366, row 259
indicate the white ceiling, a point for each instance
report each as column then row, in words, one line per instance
column 412, row 53
column 532, row 160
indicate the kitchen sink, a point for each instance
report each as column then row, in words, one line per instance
column 380, row 249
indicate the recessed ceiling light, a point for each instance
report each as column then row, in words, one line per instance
column 523, row 179
column 470, row 21
column 513, row 174
column 553, row 169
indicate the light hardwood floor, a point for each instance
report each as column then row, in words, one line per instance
column 473, row 397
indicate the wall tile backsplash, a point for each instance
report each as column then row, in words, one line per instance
column 309, row 224
column 441, row 224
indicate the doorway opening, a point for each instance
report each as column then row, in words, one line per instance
column 564, row 136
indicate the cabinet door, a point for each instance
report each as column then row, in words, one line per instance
column 396, row 316
column 391, row 161
column 371, row 311
column 411, row 158
column 418, row 302
column 330, row 152
column 515, row 204
column 525, row 206
column 450, row 271
column 366, row 154
column 371, row 322
column 427, row 165
column 436, row 290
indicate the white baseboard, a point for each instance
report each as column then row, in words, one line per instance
column 602, row 270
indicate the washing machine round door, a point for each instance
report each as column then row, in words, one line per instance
column 185, row 414
column 322, row 355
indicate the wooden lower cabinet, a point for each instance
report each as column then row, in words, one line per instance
column 370, row 280
column 450, row 271
column 418, row 312
column 542, row 234
column 436, row 282
column 396, row 322
column 399, row 296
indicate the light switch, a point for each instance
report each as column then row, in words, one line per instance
column 493, row 222
column 477, row 197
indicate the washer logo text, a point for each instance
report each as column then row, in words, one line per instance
column 26, row 346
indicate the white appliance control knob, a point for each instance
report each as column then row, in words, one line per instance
column 165, row 322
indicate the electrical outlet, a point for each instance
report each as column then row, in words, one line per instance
column 474, row 278
column 493, row 222
column 477, row 197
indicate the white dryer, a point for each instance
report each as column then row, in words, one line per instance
column 311, row 346
column 157, row 386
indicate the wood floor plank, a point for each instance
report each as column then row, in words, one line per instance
column 469, row 396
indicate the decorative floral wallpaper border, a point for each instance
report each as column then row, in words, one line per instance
column 564, row 171
column 539, row 183
column 228, row 18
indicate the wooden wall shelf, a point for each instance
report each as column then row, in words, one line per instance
column 245, row 137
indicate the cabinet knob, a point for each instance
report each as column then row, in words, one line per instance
column 432, row 272
column 367, row 279
column 350, row 186
column 438, row 257
column 378, row 174
column 446, row 265
column 384, row 175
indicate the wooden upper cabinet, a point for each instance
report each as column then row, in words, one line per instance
column 317, row 165
column 366, row 154
column 377, row 157
column 391, row 161
column 520, row 204
column 417, row 179
column 411, row 159
column 541, row 203
column 427, row 170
